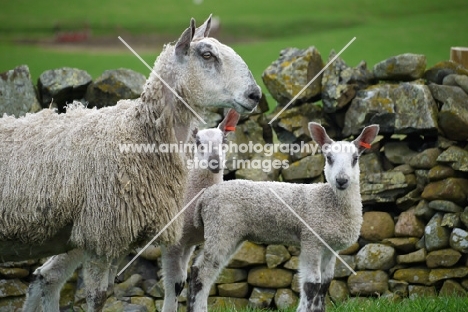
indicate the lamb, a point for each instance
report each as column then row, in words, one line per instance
column 175, row 258
column 238, row 210
column 64, row 179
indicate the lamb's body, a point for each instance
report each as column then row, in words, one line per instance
column 68, row 172
column 238, row 210
column 175, row 258
column 276, row 224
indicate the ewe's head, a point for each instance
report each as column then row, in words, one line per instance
column 341, row 166
column 209, row 143
column 211, row 74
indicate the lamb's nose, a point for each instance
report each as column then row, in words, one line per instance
column 254, row 94
column 214, row 164
column 342, row 183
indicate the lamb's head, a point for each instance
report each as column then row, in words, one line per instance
column 341, row 165
column 210, row 142
column 211, row 74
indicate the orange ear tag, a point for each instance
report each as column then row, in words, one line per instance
column 229, row 128
column 365, row 145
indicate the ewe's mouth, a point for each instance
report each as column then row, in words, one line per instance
column 243, row 108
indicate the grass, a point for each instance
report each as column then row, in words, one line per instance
column 421, row 304
column 264, row 27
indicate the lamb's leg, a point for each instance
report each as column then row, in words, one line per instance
column 310, row 279
column 49, row 279
column 175, row 261
column 33, row 297
column 328, row 271
column 206, row 269
column 96, row 278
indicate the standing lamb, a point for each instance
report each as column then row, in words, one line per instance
column 63, row 177
column 175, row 258
column 238, row 210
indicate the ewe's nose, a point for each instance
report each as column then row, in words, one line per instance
column 342, row 183
column 253, row 93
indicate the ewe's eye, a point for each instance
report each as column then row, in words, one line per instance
column 207, row 55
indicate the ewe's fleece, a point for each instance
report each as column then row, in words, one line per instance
column 59, row 169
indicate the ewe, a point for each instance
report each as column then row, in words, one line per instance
column 63, row 178
column 238, row 210
column 175, row 258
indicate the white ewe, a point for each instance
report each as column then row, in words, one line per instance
column 238, row 210
column 175, row 258
column 65, row 175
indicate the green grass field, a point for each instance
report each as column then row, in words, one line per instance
column 257, row 30
column 421, row 304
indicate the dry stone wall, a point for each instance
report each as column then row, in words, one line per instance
column 414, row 179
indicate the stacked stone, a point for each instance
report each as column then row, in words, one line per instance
column 58, row 87
column 13, row 286
column 414, row 179
column 414, row 239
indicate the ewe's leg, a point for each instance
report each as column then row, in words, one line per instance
column 96, row 278
column 310, row 279
column 49, row 279
column 206, row 269
column 114, row 267
column 175, row 261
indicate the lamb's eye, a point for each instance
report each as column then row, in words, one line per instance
column 355, row 159
column 207, row 55
column 330, row 159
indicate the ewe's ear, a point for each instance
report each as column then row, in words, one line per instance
column 229, row 122
column 319, row 134
column 183, row 44
column 364, row 140
column 204, row 30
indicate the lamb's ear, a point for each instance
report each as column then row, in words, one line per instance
column 204, row 30
column 319, row 134
column 183, row 44
column 367, row 136
column 229, row 122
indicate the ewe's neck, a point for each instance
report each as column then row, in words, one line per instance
column 157, row 99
